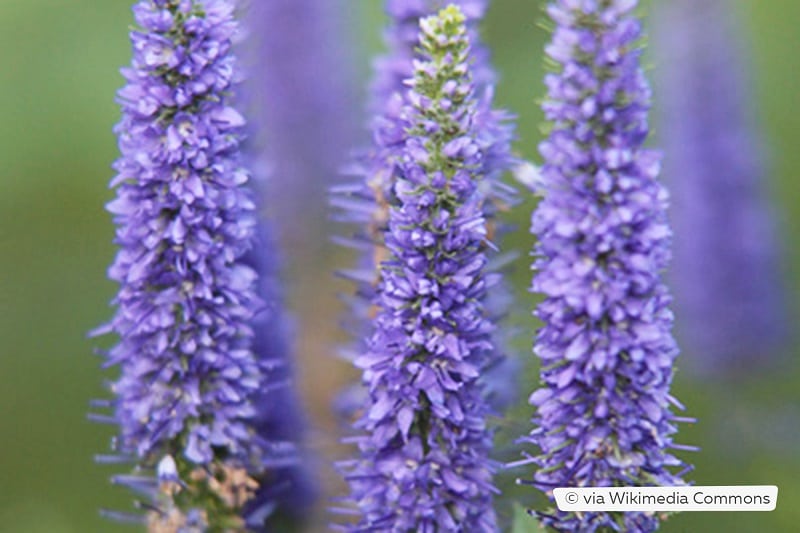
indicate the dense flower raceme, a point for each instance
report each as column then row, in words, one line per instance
column 367, row 201
column 424, row 448
column 726, row 275
column 603, row 414
column 302, row 83
column 187, row 298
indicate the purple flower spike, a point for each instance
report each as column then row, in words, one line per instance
column 604, row 411
column 187, row 299
column 424, row 462
column 727, row 279
column 366, row 203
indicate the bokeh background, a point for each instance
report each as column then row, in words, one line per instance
column 59, row 62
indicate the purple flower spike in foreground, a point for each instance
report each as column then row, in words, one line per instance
column 603, row 413
column 424, row 449
column 727, row 279
column 187, row 299
column 402, row 37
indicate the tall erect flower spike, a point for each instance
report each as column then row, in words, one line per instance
column 726, row 275
column 367, row 202
column 184, row 215
column 402, row 36
column 424, row 453
column 603, row 413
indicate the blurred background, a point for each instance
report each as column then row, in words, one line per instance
column 59, row 62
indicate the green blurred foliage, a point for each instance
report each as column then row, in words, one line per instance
column 59, row 69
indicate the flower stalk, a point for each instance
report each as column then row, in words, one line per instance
column 604, row 411
column 424, row 440
column 187, row 299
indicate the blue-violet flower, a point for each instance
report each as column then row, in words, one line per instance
column 187, row 300
column 726, row 275
column 603, row 412
column 302, row 85
column 287, row 490
column 424, row 462
column 367, row 201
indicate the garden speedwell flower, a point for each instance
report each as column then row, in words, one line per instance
column 424, row 453
column 187, row 299
column 367, row 202
column 603, row 413
column 726, row 275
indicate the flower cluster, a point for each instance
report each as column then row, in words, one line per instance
column 402, row 37
column 424, row 449
column 726, row 275
column 366, row 202
column 603, row 414
column 297, row 88
column 187, row 298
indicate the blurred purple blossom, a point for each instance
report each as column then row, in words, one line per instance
column 424, row 441
column 287, row 489
column 303, row 88
column 603, row 413
column 299, row 88
column 727, row 277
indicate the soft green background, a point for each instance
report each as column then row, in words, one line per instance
column 59, row 63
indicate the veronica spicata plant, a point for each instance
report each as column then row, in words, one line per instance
column 367, row 201
column 187, row 300
column 603, row 412
column 424, row 446
column 726, row 275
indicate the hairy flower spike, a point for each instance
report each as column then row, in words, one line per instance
column 726, row 275
column 187, row 299
column 367, row 202
column 424, row 454
column 603, row 413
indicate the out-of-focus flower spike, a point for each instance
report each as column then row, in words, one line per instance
column 732, row 312
column 287, row 490
column 301, row 67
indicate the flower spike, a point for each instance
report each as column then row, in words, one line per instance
column 424, row 447
column 604, row 413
